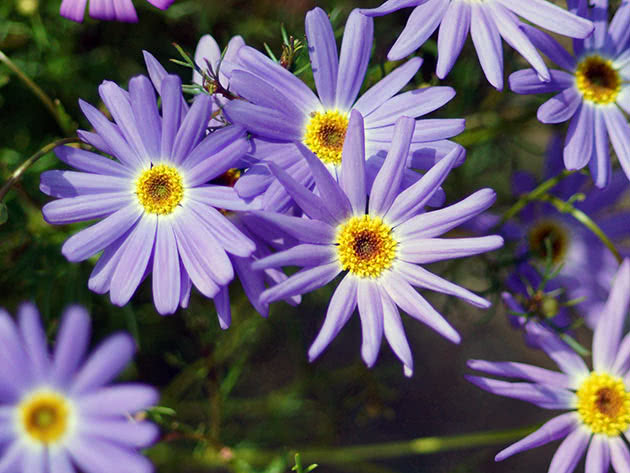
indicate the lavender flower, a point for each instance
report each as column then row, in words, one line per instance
column 488, row 21
column 282, row 110
column 378, row 249
column 58, row 410
column 158, row 213
column 118, row 10
column 593, row 90
column 598, row 400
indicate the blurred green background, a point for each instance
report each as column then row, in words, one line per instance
column 233, row 393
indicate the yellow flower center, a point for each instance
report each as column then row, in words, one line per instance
column 604, row 404
column 160, row 189
column 365, row 245
column 45, row 416
column 325, row 134
column 549, row 238
column 597, row 80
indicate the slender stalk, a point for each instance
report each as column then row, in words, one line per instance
column 39, row 93
column 30, row 161
column 535, row 194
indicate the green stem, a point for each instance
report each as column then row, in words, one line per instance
column 30, row 161
column 39, row 93
column 535, row 194
column 585, row 220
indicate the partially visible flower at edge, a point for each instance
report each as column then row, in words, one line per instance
column 117, row 10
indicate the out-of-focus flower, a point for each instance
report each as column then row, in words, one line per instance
column 117, row 10
column 488, row 21
column 598, row 400
column 593, row 90
column 281, row 110
column 377, row 245
column 158, row 213
column 58, row 410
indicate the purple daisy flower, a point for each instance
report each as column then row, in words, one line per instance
column 57, row 411
column 593, row 90
column 117, row 10
column 377, row 244
column 598, row 400
column 158, row 214
column 281, row 110
column 488, row 22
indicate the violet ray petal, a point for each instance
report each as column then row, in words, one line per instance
column 578, row 146
column 221, row 197
column 437, row 222
column 34, row 339
column 252, row 282
column 414, row 103
column 104, row 364
column 610, row 326
column 218, row 163
column 560, row 107
column 370, row 312
column 510, row 369
column 161, row 4
column 356, row 47
column 420, row 277
column 11, row 456
column 566, row 359
column 412, row 200
column 428, row 133
column 310, row 203
column 487, row 42
column 166, row 278
column 548, row 45
column 186, row 284
column 387, row 87
column 395, row 331
column 623, row 99
column 207, row 50
column 91, row 240
column 305, row 254
column 430, row 250
column 526, row 81
column 158, row 75
column 95, row 140
column 619, row 30
column 147, row 116
column 211, row 145
column 71, row 345
column 94, row 455
column 91, row 162
column 598, row 14
column 340, row 308
column 386, row 186
column 508, row 26
column 598, row 455
column 84, row 207
column 452, row 36
column 73, row 9
column 352, row 174
column 222, row 305
column 391, row 6
column 622, row 358
column 322, row 50
column 264, row 122
column 172, row 113
column 619, row 133
column 119, row 400
column 101, row 276
column 570, row 452
column 59, row 462
column 123, row 432
column 305, row 230
column 550, row 17
column 259, row 64
column 58, row 183
column 600, row 164
column 554, row 429
column 303, row 281
column 193, row 128
column 422, row 22
column 35, row 460
column 409, row 300
column 547, row 397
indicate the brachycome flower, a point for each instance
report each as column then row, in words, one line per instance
column 488, row 21
column 118, row 10
column 377, row 244
column 158, row 213
column 58, row 411
column 598, row 400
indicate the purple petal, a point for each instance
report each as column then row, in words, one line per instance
column 126, row 432
column 58, row 183
column 600, row 165
column 551, row 17
column 619, row 454
column 59, row 461
column 409, row 300
column 218, row 163
column 90, row 162
column 101, row 276
column 119, row 400
column 430, row 250
column 352, row 175
column 552, row 430
column 340, row 308
column 598, row 455
column 619, row 32
column 610, row 326
column 391, row 6
column 207, row 52
column 549, row 47
column 547, row 397
column 356, row 47
column 578, row 146
column 211, row 145
column 526, row 81
column 523, row 371
column 34, row 339
column 300, row 255
column 487, row 41
column 395, row 332
column 104, row 364
column 147, row 116
column 73, row 9
column 303, row 281
column 99, row 456
column 71, row 345
column 305, row 230
column 84, row 207
column 619, row 133
column 222, row 304
column 560, row 108
column 370, row 311
column 166, row 277
column 570, row 452
column 172, row 112
column 264, row 122
column 220, row 197
column 193, row 128
column 322, row 50
column 566, row 359
column 452, row 36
